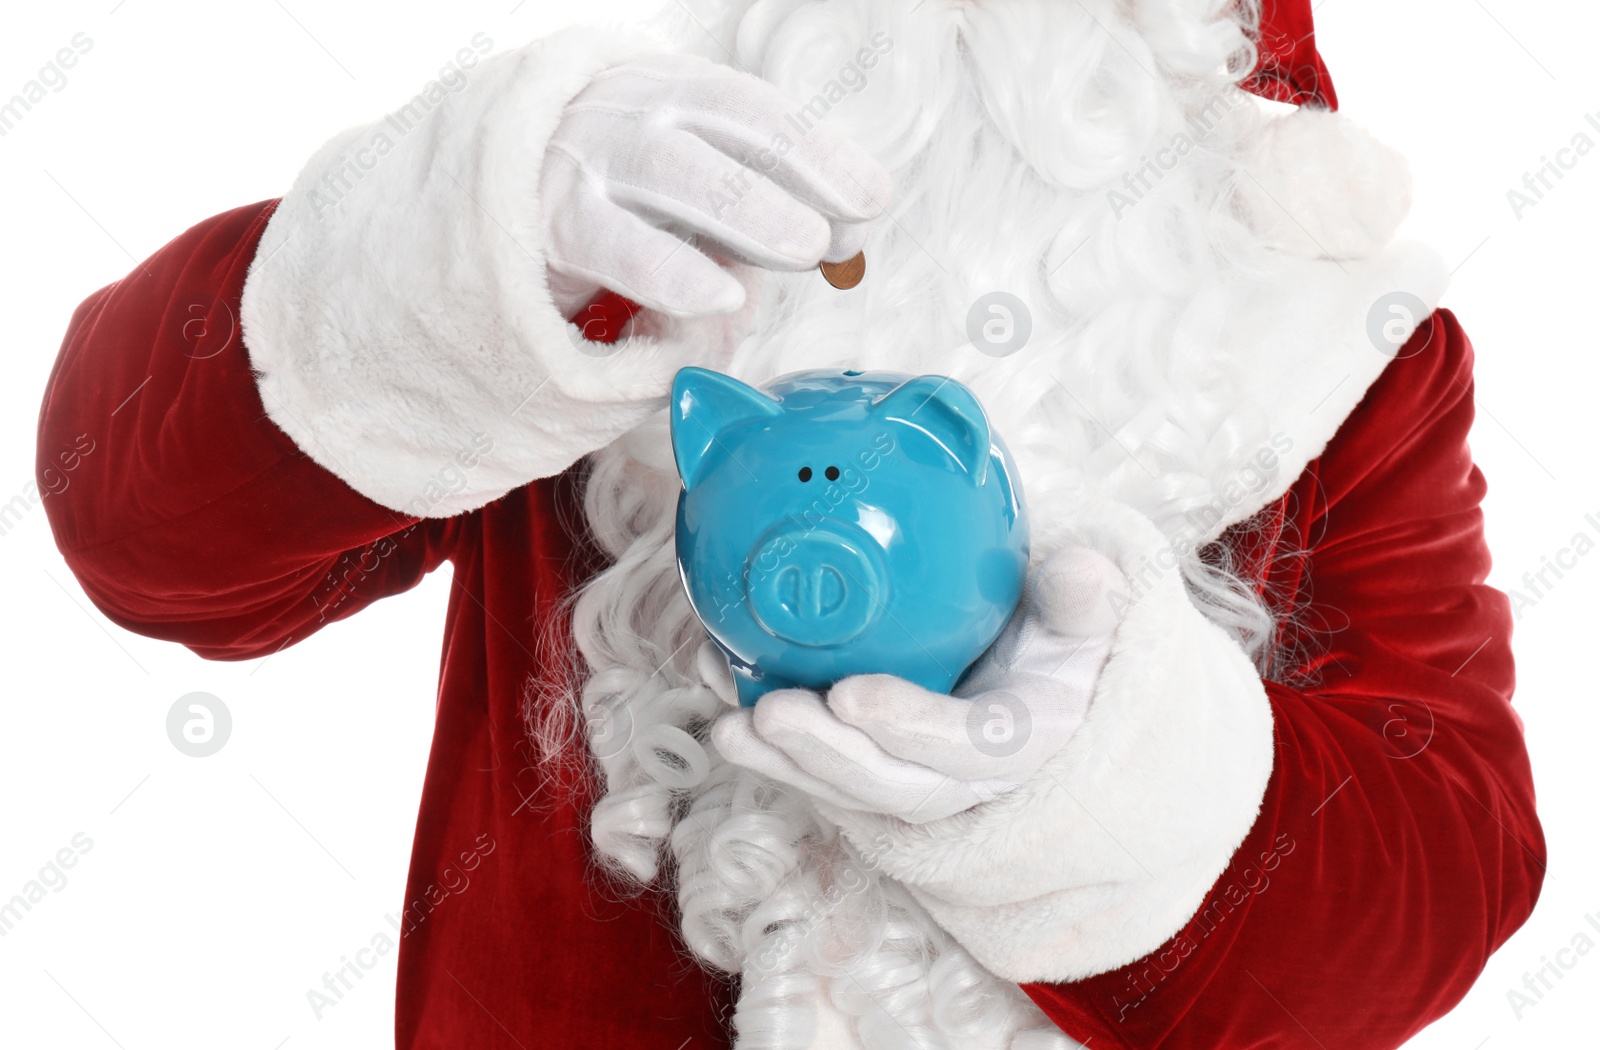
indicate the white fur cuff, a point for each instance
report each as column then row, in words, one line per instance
column 1112, row 847
column 398, row 314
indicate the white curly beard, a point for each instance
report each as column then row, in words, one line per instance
column 1171, row 344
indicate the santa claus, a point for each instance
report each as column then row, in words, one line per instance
column 1263, row 784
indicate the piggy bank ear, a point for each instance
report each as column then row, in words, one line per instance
column 704, row 404
column 948, row 413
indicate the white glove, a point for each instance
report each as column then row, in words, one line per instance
column 880, row 744
column 663, row 156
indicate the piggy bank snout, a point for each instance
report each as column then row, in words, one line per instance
column 817, row 587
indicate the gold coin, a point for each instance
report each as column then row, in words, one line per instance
column 845, row 275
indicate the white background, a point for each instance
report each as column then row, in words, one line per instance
column 218, row 891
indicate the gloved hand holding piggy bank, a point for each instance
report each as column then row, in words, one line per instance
column 845, row 523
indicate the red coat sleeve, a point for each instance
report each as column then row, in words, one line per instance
column 1397, row 845
column 184, row 512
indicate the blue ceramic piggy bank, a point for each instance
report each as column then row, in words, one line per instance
column 842, row 523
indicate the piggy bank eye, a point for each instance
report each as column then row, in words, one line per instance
column 805, row 473
column 832, row 473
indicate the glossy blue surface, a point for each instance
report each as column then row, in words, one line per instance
column 840, row 523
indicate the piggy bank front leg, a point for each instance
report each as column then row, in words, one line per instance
column 752, row 688
column 736, row 681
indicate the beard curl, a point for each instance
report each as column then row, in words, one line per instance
column 1005, row 123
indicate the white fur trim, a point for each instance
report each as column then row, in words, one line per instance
column 1295, row 353
column 397, row 310
column 1321, row 185
column 1112, row 847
